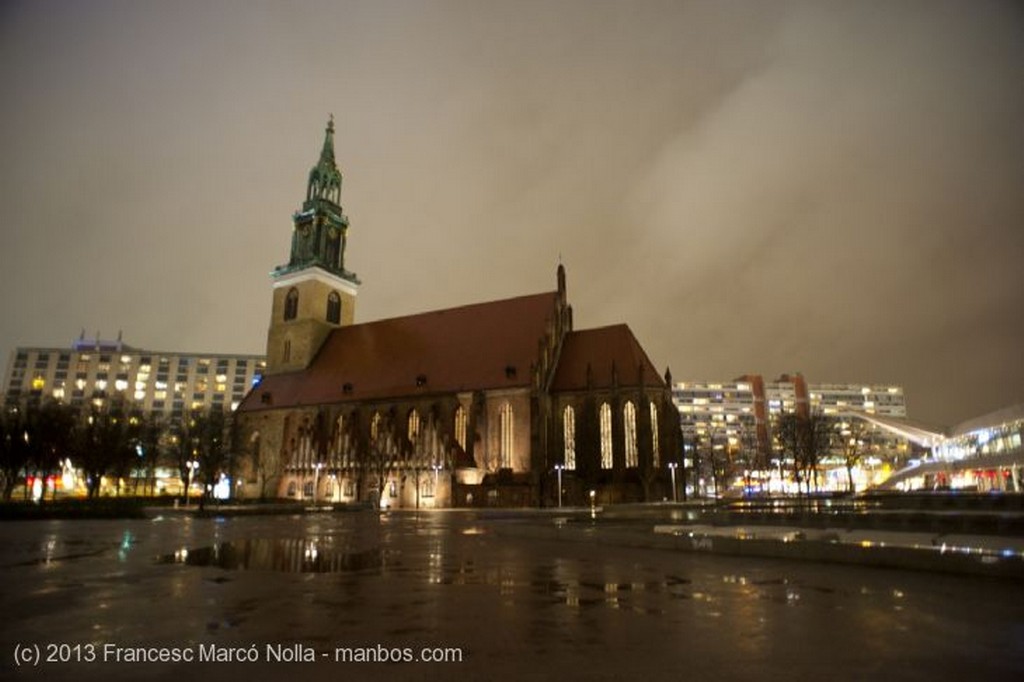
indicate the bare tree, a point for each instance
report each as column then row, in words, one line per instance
column 381, row 455
column 210, row 428
column 805, row 439
column 714, row 445
column 850, row 439
column 14, row 450
column 105, row 444
column 150, row 434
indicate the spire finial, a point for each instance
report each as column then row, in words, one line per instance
column 327, row 153
column 325, row 178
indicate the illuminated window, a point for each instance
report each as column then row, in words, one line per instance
column 121, row 385
column 629, row 422
column 569, row 431
column 334, row 308
column 101, row 384
column 606, row 436
column 461, row 424
column 505, row 428
column 38, row 383
column 375, row 426
column 655, row 449
column 291, row 304
column 414, row 425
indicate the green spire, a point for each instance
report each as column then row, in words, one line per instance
column 325, row 178
column 321, row 228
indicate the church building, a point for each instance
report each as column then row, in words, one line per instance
column 499, row 403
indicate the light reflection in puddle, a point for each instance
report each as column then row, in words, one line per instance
column 287, row 555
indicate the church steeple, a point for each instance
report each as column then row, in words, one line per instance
column 321, row 228
column 313, row 293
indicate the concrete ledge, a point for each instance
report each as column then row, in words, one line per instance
column 959, row 555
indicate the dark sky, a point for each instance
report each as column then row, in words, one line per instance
column 754, row 187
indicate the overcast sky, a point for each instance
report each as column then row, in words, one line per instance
column 754, row 187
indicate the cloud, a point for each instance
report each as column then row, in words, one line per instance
column 757, row 187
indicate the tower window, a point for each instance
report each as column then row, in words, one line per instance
column 291, row 304
column 334, row 308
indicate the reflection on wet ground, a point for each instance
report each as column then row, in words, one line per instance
column 287, row 555
column 521, row 606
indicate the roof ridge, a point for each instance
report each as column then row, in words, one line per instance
column 466, row 306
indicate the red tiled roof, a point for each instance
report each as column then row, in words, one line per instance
column 600, row 348
column 457, row 349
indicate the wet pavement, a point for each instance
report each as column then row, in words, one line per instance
column 344, row 587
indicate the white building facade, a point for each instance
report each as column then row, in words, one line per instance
column 166, row 383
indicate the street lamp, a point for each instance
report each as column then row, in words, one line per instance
column 558, row 470
column 192, row 465
column 672, row 468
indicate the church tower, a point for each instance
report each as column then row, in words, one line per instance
column 313, row 293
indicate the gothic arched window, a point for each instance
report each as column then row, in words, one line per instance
column 334, row 308
column 461, row 423
column 291, row 304
column 414, row 426
column 606, row 436
column 655, row 450
column 629, row 420
column 505, row 427
column 375, row 426
column 569, row 432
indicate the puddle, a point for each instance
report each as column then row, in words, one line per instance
column 287, row 555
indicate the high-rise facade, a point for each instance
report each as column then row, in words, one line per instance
column 96, row 371
column 738, row 419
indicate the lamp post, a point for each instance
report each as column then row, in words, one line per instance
column 558, row 470
column 672, row 468
column 437, row 471
column 192, row 466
